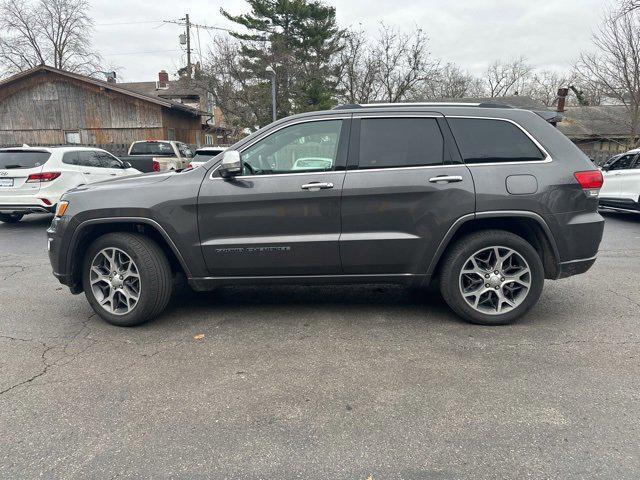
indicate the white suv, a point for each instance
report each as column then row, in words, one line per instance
column 32, row 179
column 621, row 189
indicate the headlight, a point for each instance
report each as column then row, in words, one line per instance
column 61, row 208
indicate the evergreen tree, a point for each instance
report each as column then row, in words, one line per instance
column 299, row 39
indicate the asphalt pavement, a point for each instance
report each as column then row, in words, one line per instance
column 360, row 382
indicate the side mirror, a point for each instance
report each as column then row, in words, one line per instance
column 126, row 164
column 231, row 164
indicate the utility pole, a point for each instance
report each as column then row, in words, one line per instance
column 188, row 24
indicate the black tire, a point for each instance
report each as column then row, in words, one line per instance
column 155, row 277
column 11, row 217
column 457, row 256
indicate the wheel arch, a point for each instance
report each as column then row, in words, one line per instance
column 528, row 225
column 91, row 229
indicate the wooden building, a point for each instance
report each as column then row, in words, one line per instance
column 47, row 106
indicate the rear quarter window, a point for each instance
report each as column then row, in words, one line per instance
column 10, row 159
column 489, row 141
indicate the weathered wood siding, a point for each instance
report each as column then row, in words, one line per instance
column 40, row 108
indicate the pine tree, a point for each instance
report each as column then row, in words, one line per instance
column 299, row 39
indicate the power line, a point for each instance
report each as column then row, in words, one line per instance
column 128, row 23
column 138, row 53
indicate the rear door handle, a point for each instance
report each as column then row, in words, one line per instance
column 316, row 186
column 87, row 173
column 446, row 179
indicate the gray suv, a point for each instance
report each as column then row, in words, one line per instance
column 486, row 200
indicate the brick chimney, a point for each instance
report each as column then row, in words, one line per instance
column 163, row 79
column 562, row 99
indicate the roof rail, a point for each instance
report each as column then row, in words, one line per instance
column 353, row 106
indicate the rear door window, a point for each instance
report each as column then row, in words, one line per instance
column 10, row 159
column 88, row 158
column 400, row 142
column 489, row 141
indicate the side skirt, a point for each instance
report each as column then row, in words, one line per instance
column 207, row 283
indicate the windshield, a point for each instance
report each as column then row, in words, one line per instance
column 151, row 148
column 22, row 159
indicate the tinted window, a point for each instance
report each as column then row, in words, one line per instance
column 152, row 148
column 400, row 142
column 97, row 159
column 304, row 147
column 482, row 141
column 623, row 163
column 71, row 158
column 22, row 159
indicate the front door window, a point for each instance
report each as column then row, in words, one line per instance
column 305, row 147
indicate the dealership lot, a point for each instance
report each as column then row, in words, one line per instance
column 320, row 382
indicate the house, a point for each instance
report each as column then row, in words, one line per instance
column 47, row 106
column 600, row 131
column 188, row 92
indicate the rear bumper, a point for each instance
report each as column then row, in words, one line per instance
column 575, row 267
column 619, row 204
column 27, row 204
column 25, row 208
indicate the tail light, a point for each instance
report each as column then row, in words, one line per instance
column 156, row 166
column 590, row 181
column 42, row 177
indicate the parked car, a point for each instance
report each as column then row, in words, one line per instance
column 488, row 202
column 621, row 189
column 32, row 179
column 204, row 154
column 158, row 155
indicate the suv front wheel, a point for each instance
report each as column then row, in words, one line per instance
column 492, row 277
column 126, row 278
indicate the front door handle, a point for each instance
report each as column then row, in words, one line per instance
column 315, row 186
column 446, row 179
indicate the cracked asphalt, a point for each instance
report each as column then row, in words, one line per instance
column 320, row 382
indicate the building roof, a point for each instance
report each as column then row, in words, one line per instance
column 175, row 88
column 110, row 86
column 603, row 121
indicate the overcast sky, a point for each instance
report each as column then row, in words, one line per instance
column 471, row 33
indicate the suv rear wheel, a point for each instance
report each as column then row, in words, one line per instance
column 492, row 277
column 126, row 278
column 10, row 217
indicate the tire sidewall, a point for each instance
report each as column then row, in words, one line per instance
column 451, row 288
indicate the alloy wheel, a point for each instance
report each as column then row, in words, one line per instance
column 115, row 281
column 495, row 280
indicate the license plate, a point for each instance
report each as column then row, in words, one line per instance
column 6, row 182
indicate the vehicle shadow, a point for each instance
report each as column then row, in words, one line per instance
column 29, row 223
column 373, row 300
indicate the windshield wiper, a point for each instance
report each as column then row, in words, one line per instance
column 8, row 167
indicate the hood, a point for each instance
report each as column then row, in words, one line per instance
column 125, row 183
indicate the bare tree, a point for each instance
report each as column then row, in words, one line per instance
column 49, row 32
column 507, row 78
column 391, row 68
column 405, row 62
column 613, row 68
column 450, row 82
column 359, row 70
column 543, row 85
column 241, row 97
